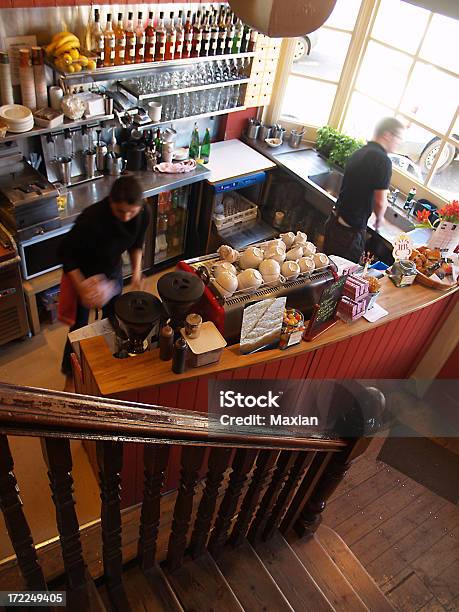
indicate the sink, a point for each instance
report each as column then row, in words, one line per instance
column 330, row 182
column 396, row 218
column 303, row 162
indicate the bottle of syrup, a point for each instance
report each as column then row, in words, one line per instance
column 171, row 35
column 197, row 36
column 160, row 49
column 150, row 39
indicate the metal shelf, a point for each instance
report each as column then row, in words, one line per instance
column 149, row 126
column 115, row 72
column 67, row 125
column 170, row 92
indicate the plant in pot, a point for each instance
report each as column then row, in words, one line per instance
column 336, row 146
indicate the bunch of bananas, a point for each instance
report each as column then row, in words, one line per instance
column 65, row 48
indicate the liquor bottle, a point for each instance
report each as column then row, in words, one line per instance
column 194, row 144
column 160, row 48
column 139, row 40
column 98, row 42
column 171, row 36
column 120, row 41
column 205, row 147
column 150, row 39
column 214, row 32
column 158, row 144
column 129, row 57
column 179, row 36
column 187, row 36
column 109, row 43
column 205, row 44
column 197, row 36
column 245, row 38
column 238, row 30
column 221, row 32
column 230, row 31
column 253, row 40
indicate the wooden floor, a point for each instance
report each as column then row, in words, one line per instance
column 406, row 536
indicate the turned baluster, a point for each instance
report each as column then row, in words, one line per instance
column 242, row 465
column 296, row 475
column 191, row 461
column 58, row 458
column 218, row 463
column 311, row 514
column 312, row 476
column 155, row 460
column 110, row 462
column 283, row 466
column 16, row 523
column 262, row 475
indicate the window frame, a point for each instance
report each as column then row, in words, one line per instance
column 346, row 86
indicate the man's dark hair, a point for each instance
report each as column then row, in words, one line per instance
column 127, row 189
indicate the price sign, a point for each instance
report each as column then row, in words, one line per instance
column 324, row 314
column 403, row 247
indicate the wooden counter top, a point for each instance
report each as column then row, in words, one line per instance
column 117, row 375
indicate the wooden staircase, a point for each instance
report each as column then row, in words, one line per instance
column 247, row 536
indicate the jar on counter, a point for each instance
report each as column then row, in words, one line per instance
column 402, row 273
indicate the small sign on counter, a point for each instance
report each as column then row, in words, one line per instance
column 324, row 313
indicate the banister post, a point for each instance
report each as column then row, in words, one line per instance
column 311, row 514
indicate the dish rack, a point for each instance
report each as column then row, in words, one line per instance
column 242, row 211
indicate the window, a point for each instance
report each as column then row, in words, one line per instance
column 318, row 61
column 412, row 72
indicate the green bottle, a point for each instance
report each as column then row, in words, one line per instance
column 205, row 147
column 194, row 144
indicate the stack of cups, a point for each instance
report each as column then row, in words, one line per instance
column 6, row 87
column 38, row 63
column 26, row 80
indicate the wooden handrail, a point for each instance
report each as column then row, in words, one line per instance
column 41, row 412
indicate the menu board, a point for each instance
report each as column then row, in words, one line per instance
column 324, row 314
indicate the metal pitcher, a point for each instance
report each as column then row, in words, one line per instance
column 264, row 132
column 114, row 164
column 101, row 152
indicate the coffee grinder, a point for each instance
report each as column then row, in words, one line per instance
column 137, row 322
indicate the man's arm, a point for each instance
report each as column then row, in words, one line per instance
column 379, row 206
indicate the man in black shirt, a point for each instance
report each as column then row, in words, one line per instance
column 364, row 191
column 91, row 251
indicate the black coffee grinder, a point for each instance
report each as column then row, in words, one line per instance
column 138, row 315
column 179, row 291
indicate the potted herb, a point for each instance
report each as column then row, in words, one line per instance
column 336, row 146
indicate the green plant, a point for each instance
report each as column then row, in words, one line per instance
column 336, row 146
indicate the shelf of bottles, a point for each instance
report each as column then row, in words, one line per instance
column 124, row 49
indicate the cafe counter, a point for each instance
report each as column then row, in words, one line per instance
column 388, row 348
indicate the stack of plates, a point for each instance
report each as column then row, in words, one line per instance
column 17, row 117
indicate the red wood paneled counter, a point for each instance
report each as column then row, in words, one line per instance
column 389, row 348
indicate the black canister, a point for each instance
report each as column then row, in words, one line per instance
column 179, row 356
column 166, row 343
column 135, row 156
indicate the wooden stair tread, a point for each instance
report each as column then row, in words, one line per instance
column 326, row 574
column 146, row 592
column 353, row 570
column 291, row 576
column 85, row 598
column 200, row 587
column 250, row 581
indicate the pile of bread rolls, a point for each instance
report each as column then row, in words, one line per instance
column 287, row 256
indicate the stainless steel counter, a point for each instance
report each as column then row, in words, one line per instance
column 153, row 183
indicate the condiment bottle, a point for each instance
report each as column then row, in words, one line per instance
column 166, row 343
column 179, row 356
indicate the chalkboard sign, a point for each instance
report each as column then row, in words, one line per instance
column 324, row 313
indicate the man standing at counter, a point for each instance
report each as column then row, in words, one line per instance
column 91, row 255
column 364, row 191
